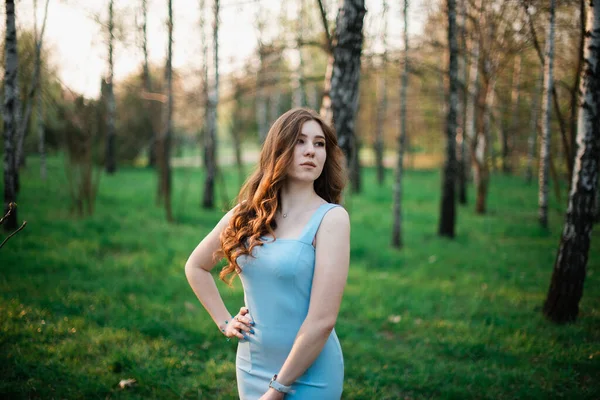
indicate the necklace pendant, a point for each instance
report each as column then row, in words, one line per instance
column 284, row 215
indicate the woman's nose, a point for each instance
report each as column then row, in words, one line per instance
column 310, row 149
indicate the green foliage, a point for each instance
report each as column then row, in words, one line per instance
column 85, row 303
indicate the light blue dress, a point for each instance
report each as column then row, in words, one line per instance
column 277, row 283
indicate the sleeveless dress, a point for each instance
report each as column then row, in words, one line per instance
column 277, row 283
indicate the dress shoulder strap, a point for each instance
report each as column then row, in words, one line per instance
column 308, row 235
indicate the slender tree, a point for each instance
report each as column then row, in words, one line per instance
column 326, row 110
column 210, row 136
column 463, row 154
column 447, row 221
column 11, row 116
column 110, row 161
column 345, row 79
column 397, row 217
column 382, row 103
column 509, row 134
column 533, row 129
column 566, row 286
column 33, row 89
column 546, row 99
column 261, row 93
column 164, row 147
column 473, row 92
column 148, row 85
column 298, row 81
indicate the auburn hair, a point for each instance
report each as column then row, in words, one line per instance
column 258, row 200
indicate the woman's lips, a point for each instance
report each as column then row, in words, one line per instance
column 308, row 164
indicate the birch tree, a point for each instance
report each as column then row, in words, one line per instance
column 326, row 110
column 210, row 135
column 110, row 157
column 33, row 89
column 473, row 90
column 148, row 85
column 298, row 86
column 164, row 148
column 545, row 139
column 463, row 70
column 261, row 96
column 533, row 129
column 397, row 217
column 566, row 286
column 507, row 135
column 11, row 116
column 345, row 79
column 382, row 103
column 447, row 220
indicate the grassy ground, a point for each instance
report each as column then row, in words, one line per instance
column 87, row 302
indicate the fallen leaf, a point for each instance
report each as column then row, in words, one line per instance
column 125, row 383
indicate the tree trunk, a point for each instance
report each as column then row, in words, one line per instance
column 507, row 140
column 397, row 217
column 41, row 134
column 261, row 95
column 11, row 115
column 148, row 86
column 166, row 136
column 575, row 88
column 447, row 221
column 533, row 130
column 382, row 103
column 326, row 111
column 33, row 88
column 473, row 95
column 566, row 286
column 463, row 154
column 345, row 80
column 547, row 97
column 110, row 162
column 298, row 87
column 561, row 123
column 236, row 133
column 210, row 136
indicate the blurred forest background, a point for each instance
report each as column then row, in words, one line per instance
column 471, row 195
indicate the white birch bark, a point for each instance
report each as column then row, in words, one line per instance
column 397, row 205
column 566, row 286
column 345, row 80
column 473, row 90
column 11, row 115
column 546, row 105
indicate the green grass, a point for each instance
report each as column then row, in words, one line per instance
column 87, row 302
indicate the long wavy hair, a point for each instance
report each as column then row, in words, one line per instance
column 258, row 200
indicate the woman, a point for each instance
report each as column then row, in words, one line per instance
column 288, row 240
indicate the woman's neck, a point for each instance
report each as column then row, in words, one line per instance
column 297, row 196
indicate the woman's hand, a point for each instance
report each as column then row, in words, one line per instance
column 272, row 394
column 239, row 325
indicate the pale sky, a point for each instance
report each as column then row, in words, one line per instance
column 78, row 42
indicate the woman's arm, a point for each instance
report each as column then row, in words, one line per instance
column 197, row 270
column 331, row 270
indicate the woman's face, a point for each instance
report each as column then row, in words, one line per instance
column 309, row 153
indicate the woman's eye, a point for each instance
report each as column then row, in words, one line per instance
column 320, row 144
column 300, row 141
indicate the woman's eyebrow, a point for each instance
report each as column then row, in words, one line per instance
column 316, row 137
